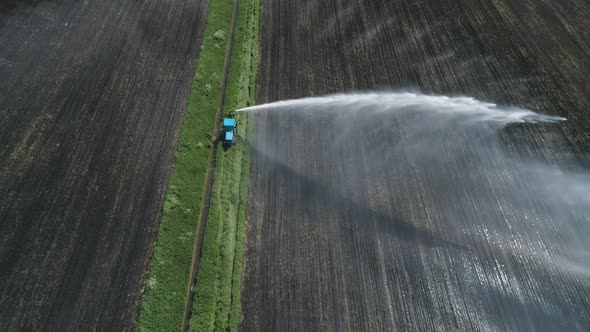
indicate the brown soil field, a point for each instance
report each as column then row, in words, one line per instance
column 92, row 95
column 360, row 233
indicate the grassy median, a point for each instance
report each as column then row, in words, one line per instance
column 166, row 289
column 217, row 300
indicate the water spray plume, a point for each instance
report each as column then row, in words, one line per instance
column 442, row 176
column 407, row 101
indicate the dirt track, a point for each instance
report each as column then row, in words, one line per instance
column 355, row 237
column 92, row 95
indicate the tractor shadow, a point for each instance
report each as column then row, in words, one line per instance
column 225, row 146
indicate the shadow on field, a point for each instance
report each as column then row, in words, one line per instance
column 14, row 7
column 6, row 6
column 349, row 210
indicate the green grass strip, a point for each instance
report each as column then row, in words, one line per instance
column 165, row 296
column 217, row 300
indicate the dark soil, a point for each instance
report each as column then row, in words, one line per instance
column 329, row 249
column 92, row 96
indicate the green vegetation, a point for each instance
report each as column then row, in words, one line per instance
column 218, row 287
column 217, row 299
column 165, row 296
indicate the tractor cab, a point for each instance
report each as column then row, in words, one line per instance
column 229, row 130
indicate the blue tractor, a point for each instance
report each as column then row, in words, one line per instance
column 229, row 130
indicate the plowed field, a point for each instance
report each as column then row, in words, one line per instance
column 348, row 229
column 92, row 94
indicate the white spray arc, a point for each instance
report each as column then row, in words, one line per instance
column 469, row 187
column 438, row 130
column 468, row 108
